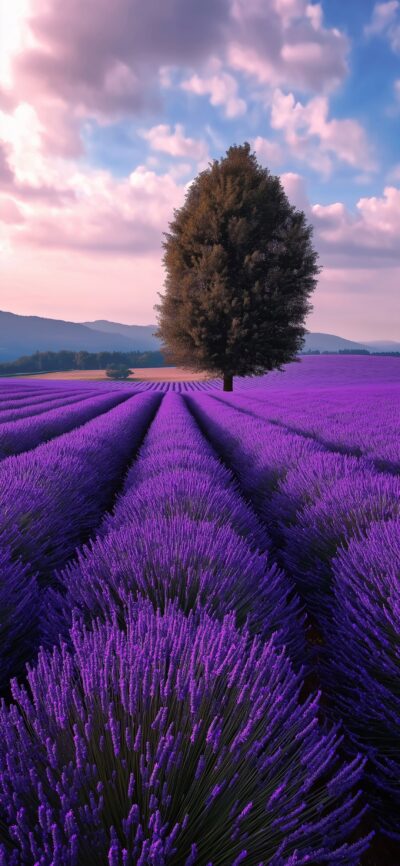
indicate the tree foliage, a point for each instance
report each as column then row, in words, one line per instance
column 47, row 362
column 118, row 373
column 240, row 268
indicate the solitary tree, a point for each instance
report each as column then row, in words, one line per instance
column 240, row 268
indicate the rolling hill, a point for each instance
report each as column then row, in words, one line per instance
column 24, row 335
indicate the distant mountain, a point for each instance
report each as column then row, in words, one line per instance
column 383, row 346
column 330, row 343
column 24, row 335
column 141, row 336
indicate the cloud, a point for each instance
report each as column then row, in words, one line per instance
column 107, row 61
column 101, row 216
column 105, row 57
column 10, row 213
column 315, row 139
column 220, row 86
column 23, row 169
column 174, row 143
column 365, row 238
column 295, row 189
column 285, row 44
column 269, row 152
column 385, row 21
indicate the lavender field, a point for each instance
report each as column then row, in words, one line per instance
column 200, row 620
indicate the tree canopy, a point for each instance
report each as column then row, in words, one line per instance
column 240, row 268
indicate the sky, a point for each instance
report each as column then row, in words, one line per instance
column 108, row 110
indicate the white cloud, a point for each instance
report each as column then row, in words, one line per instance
column 270, row 152
column 295, row 189
column 221, row 87
column 385, row 21
column 383, row 15
column 175, row 143
column 283, row 43
column 314, row 138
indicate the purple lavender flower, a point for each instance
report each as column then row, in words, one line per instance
column 19, row 616
column 345, row 511
column 25, row 434
column 362, row 660
column 200, row 564
column 171, row 742
column 51, row 497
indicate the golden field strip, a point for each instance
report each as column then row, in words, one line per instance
column 142, row 374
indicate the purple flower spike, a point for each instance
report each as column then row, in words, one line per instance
column 19, row 616
column 179, row 810
column 363, row 660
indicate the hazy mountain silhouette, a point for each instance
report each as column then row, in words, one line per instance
column 23, row 335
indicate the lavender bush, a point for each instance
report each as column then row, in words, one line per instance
column 198, row 548
column 362, row 660
column 345, row 511
column 52, row 496
column 19, row 617
column 42, row 404
column 171, row 743
column 25, row 434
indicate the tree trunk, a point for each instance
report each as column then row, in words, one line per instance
column 228, row 382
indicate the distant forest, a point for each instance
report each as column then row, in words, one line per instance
column 54, row 362
column 48, row 362
column 351, row 352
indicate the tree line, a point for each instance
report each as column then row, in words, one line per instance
column 350, row 352
column 43, row 362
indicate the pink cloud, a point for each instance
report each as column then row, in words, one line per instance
column 10, row 213
column 33, row 189
column 314, row 138
column 367, row 238
column 385, row 21
column 268, row 152
column 107, row 60
column 105, row 216
column 104, row 57
column 284, row 43
column 175, row 143
column 221, row 87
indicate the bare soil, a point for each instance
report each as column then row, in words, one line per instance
column 146, row 374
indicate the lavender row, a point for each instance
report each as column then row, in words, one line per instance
column 26, row 434
column 330, row 515
column 362, row 662
column 181, row 531
column 32, row 397
column 175, row 740
column 50, row 499
column 360, row 421
column 311, row 500
column 168, row 736
column 42, row 405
